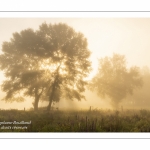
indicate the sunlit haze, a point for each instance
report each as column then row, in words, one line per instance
column 105, row 36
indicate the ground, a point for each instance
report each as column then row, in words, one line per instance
column 75, row 121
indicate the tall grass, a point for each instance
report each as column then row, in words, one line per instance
column 78, row 121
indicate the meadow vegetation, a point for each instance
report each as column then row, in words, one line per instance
column 77, row 121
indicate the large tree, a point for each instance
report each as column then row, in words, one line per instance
column 52, row 62
column 115, row 80
column 68, row 63
column 21, row 62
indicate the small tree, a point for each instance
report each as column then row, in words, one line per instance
column 115, row 80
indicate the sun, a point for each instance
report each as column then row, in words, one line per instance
column 52, row 67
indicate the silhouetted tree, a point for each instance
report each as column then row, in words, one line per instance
column 52, row 62
column 21, row 62
column 115, row 80
column 68, row 63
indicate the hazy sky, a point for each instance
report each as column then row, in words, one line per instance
column 127, row 36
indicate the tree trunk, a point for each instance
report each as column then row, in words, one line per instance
column 51, row 96
column 115, row 104
column 49, row 105
column 36, row 101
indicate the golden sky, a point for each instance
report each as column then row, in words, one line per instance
column 127, row 36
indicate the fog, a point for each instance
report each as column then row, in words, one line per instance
column 92, row 100
column 126, row 36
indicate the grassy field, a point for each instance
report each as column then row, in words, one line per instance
column 75, row 121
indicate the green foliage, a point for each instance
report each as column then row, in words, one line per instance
column 114, row 79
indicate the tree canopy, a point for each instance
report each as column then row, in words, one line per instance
column 69, row 62
column 115, row 80
column 52, row 61
column 21, row 63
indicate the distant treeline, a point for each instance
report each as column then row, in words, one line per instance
column 141, row 97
